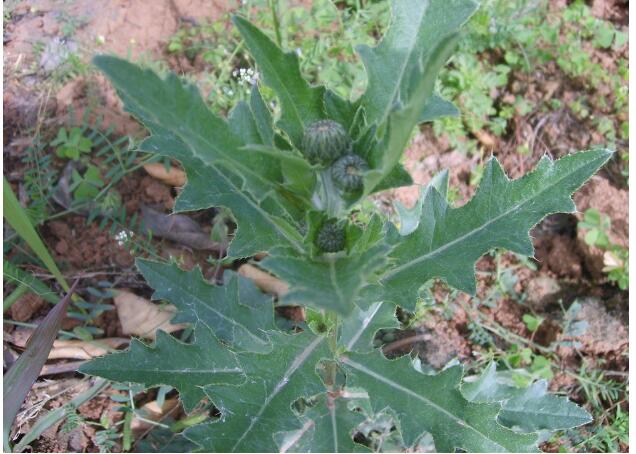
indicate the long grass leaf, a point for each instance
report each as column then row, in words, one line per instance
column 23, row 278
column 18, row 219
column 19, row 379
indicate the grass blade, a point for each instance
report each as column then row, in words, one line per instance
column 19, row 379
column 20, row 290
column 25, row 279
column 18, row 219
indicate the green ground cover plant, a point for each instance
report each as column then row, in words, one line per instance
column 294, row 182
column 615, row 257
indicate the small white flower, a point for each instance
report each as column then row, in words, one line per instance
column 123, row 236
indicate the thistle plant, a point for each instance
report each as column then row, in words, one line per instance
column 292, row 183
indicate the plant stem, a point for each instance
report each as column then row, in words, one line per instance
column 272, row 7
column 127, row 432
column 188, row 422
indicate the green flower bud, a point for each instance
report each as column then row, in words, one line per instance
column 347, row 172
column 325, row 141
column 331, row 237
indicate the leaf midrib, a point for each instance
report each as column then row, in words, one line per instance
column 405, row 62
column 223, row 370
column 397, row 386
column 475, row 231
column 195, row 155
column 333, row 278
column 364, row 325
column 283, row 86
column 295, row 365
column 238, row 191
column 189, row 292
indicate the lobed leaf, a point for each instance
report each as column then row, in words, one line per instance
column 402, row 71
column 529, row 409
column 359, row 328
column 186, row 367
column 221, row 172
column 410, row 217
column 237, row 312
column 329, row 282
column 433, row 404
column 254, row 411
column 301, row 104
column 448, row 241
column 417, row 30
column 327, row 426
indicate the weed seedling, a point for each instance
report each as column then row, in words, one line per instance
column 293, row 181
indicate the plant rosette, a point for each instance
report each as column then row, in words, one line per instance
column 291, row 183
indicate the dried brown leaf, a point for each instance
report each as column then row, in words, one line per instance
column 172, row 176
column 140, row 317
column 263, row 280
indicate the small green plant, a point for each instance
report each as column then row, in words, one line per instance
column 615, row 257
column 71, row 144
column 86, row 186
column 290, row 195
column 528, row 366
column 532, row 322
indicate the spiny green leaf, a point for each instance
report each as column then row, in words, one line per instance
column 529, row 409
column 237, row 312
column 301, row 104
column 187, row 367
column 384, row 156
column 220, row 171
column 298, row 175
column 327, row 282
column 448, row 241
column 262, row 117
column 418, row 29
column 437, row 107
column 402, row 71
column 326, row 427
column 243, row 125
column 433, row 404
column 252, row 122
column 410, row 217
column 254, row 411
column 359, row 328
